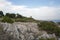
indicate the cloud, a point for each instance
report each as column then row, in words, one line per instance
column 41, row 13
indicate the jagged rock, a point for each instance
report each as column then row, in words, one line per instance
column 24, row 31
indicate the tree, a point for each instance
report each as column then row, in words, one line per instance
column 12, row 15
column 7, row 14
column 19, row 16
column 1, row 14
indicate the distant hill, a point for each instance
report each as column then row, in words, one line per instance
column 56, row 20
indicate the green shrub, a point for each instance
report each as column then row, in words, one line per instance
column 51, row 39
column 42, row 39
column 24, row 19
column 7, row 19
column 50, row 27
column 11, row 15
column 20, row 20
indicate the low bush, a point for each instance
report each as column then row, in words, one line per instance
column 50, row 27
column 7, row 19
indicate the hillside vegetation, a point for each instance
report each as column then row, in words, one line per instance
column 48, row 26
column 12, row 17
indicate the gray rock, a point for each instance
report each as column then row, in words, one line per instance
column 24, row 31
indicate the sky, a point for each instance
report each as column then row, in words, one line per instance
column 38, row 9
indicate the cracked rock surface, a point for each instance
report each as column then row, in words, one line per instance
column 22, row 31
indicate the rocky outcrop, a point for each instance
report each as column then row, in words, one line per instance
column 24, row 31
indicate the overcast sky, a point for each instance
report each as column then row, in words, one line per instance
column 38, row 9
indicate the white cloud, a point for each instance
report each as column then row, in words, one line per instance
column 41, row 13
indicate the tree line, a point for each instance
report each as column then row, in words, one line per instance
column 11, row 15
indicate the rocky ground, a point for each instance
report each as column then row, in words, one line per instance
column 22, row 31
